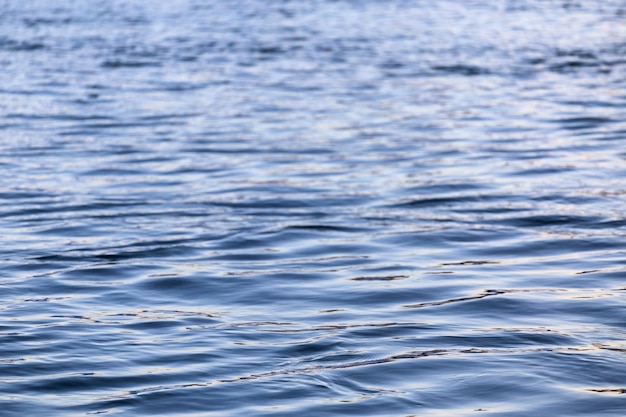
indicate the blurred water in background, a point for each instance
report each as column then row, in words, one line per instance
column 314, row 208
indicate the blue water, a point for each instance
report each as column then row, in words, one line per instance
column 313, row 208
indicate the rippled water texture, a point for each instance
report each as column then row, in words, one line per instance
column 313, row 208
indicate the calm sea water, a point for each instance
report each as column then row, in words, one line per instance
column 313, row 208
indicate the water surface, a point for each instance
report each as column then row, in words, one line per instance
column 315, row 208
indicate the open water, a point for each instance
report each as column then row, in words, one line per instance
column 313, row 208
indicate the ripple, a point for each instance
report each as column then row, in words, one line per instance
column 312, row 208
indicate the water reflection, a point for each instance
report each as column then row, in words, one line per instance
column 316, row 208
